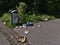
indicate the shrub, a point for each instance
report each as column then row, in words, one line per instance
column 22, row 7
column 21, row 11
column 51, row 17
column 37, row 18
column 43, row 17
column 7, row 18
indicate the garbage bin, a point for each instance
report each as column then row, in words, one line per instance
column 14, row 17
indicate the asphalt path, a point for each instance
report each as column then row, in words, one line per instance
column 47, row 34
column 3, row 40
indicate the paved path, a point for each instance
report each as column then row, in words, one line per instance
column 10, row 34
column 47, row 34
column 3, row 40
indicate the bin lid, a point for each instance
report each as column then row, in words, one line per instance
column 13, row 11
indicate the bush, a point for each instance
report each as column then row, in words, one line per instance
column 33, row 18
column 36, row 18
column 22, row 7
column 21, row 11
column 51, row 17
column 7, row 18
column 43, row 17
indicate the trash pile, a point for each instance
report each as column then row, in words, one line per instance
column 22, row 39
